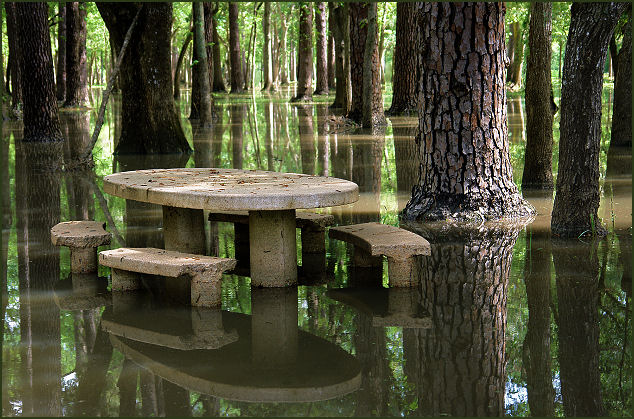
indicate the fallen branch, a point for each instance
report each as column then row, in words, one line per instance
column 110, row 86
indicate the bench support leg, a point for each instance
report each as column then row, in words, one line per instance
column 125, row 280
column 363, row 259
column 273, row 248
column 184, row 230
column 83, row 260
column 401, row 272
column 206, row 291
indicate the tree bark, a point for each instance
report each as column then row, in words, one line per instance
column 516, row 56
column 538, row 173
column 405, row 67
column 577, row 197
column 284, row 64
column 372, row 110
column 41, row 121
column 358, row 32
column 340, row 26
column 149, row 121
column 331, row 51
column 76, row 70
column 14, row 66
column 321, row 49
column 305, row 53
column 267, row 56
column 201, row 92
column 621, row 135
column 209, row 38
column 237, row 78
column 218, row 84
column 61, row 53
column 465, row 168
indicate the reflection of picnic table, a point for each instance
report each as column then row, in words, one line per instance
column 271, row 199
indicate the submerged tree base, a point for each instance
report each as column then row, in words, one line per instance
column 465, row 208
column 301, row 98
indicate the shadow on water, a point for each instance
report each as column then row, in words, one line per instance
column 504, row 320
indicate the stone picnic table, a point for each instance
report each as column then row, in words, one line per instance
column 270, row 197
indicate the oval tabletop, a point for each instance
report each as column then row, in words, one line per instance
column 230, row 189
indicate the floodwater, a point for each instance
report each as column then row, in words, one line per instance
column 505, row 321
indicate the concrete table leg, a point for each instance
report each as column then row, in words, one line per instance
column 125, row 280
column 184, row 230
column 83, row 260
column 206, row 292
column 273, row 247
column 402, row 272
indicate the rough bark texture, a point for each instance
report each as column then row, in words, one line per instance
column 14, row 67
column 218, row 82
column 305, row 53
column 358, row 31
column 267, row 57
column 465, row 169
column 577, row 197
column 61, row 53
column 201, row 92
column 372, row 109
column 515, row 55
column 283, row 53
column 405, row 67
column 149, row 122
column 209, row 10
column 76, row 80
column 577, row 270
column 340, row 26
column 464, row 285
column 41, row 122
column 321, row 49
column 622, row 114
column 538, row 173
column 237, row 78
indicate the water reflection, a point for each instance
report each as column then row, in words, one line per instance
column 492, row 328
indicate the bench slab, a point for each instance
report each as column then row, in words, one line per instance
column 163, row 262
column 381, row 239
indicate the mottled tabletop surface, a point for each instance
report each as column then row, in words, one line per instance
column 231, row 189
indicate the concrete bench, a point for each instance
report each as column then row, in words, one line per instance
column 205, row 272
column 312, row 224
column 373, row 240
column 83, row 238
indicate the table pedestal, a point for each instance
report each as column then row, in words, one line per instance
column 273, row 248
column 184, row 230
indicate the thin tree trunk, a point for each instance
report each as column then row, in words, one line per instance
column 61, row 53
column 405, row 68
column 516, row 56
column 539, row 111
column 284, row 62
column 179, row 65
column 331, row 50
column 305, row 53
column 237, row 78
column 76, row 60
column 372, row 111
column 267, row 58
column 218, row 84
column 14, row 68
column 339, row 27
column 201, row 92
column 578, row 195
column 358, row 33
column 321, row 49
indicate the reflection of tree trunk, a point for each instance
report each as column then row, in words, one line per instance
column 38, row 208
column 76, row 128
column 6, row 218
column 577, row 270
column 366, row 172
column 370, row 348
column 268, row 117
column 464, row 284
column 176, row 400
column 537, row 341
column 306, row 139
column 323, row 150
column 405, row 150
column 127, row 384
column 237, row 118
column 149, row 399
column 211, row 405
column 411, row 368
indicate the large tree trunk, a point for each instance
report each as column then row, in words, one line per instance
column 340, row 26
column 516, row 55
column 358, row 31
column 538, row 173
column 41, row 122
column 14, row 66
column 149, row 121
column 218, row 82
column 321, row 49
column 577, row 197
column 201, row 92
column 577, row 270
column 61, row 53
column 267, row 56
column 237, row 78
column 465, row 168
column 372, row 110
column 305, row 53
column 622, row 114
column 76, row 74
column 405, row 67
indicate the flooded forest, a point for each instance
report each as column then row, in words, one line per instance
column 486, row 146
